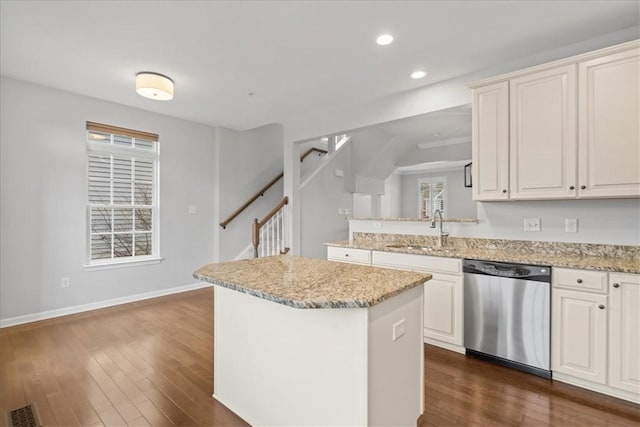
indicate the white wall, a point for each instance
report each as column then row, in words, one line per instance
column 43, row 193
column 459, row 203
column 391, row 201
column 319, row 203
column 247, row 161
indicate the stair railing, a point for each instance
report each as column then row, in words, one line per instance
column 269, row 234
column 261, row 192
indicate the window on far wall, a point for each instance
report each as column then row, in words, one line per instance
column 122, row 203
column 432, row 195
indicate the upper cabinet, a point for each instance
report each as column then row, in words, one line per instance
column 490, row 117
column 608, row 127
column 568, row 129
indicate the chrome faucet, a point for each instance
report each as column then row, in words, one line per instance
column 442, row 234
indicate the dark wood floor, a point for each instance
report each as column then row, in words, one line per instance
column 150, row 363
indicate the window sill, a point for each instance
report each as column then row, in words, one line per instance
column 122, row 264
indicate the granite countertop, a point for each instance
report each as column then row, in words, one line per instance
column 400, row 219
column 538, row 253
column 310, row 283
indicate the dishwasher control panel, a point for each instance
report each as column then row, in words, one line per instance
column 514, row 271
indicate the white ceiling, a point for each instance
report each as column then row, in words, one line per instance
column 296, row 56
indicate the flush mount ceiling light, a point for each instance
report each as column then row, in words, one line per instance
column 154, row 86
column 418, row 74
column 384, row 39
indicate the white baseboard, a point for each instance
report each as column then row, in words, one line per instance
column 599, row 388
column 27, row 318
column 445, row 345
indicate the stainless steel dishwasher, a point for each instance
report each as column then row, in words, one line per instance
column 507, row 314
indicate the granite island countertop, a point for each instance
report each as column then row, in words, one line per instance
column 310, row 283
column 614, row 258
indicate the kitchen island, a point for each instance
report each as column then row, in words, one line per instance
column 302, row 341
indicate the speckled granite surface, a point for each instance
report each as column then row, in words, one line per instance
column 310, row 283
column 466, row 220
column 618, row 258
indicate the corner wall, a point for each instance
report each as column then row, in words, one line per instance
column 319, row 203
column 247, row 161
column 43, row 193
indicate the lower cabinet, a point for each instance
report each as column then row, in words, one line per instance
column 624, row 332
column 596, row 331
column 443, row 295
column 579, row 332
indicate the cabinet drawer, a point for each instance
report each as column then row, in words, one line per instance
column 584, row 280
column 417, row 262
column 355, row 256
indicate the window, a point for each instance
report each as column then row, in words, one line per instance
column 122, row 205
column 432, row 195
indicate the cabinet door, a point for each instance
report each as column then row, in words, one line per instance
column 490, row 142
column 443, row 308
column 624, row 332
column 579, row 334
column 542, row 145
column 609, row 126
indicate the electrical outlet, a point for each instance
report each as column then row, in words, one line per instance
column 398, row 330
column 193, row 209
column 65, row 282
column 532, row 224
column 340, row 211
column 571, row 225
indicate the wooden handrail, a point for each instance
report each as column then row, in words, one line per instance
column 253, row 198
column 258, row 224
column 312, row 150
column 261, row 192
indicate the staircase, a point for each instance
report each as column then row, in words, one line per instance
column 268, row 234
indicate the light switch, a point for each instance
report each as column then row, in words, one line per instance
column 193, row 209
column 398, row 330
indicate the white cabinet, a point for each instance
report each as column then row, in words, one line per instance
column 624, row 332
column 443, row 295
column 573, row 129
column 443, row 309
column 595, row 332
column 579, row 335
column 542, row 142
column 349, row 255
column 609, row 126
column 490, row 117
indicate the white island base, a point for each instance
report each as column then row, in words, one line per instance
column 276, row 365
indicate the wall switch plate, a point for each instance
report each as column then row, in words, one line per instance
column 340, row 211
column 65, row 282
column 347, row 211
column 532, row 224
column 193, row 209
column 571, row 225
column 398, row 330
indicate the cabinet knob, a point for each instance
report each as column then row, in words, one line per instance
column 616, row 285
column 601, row 307
column 579, row 280
column 583, row 187
column 572, row 188
column 346, row 254
column 504, row 191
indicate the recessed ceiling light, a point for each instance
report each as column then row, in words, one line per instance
column 384, row 39
column 418, row 74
